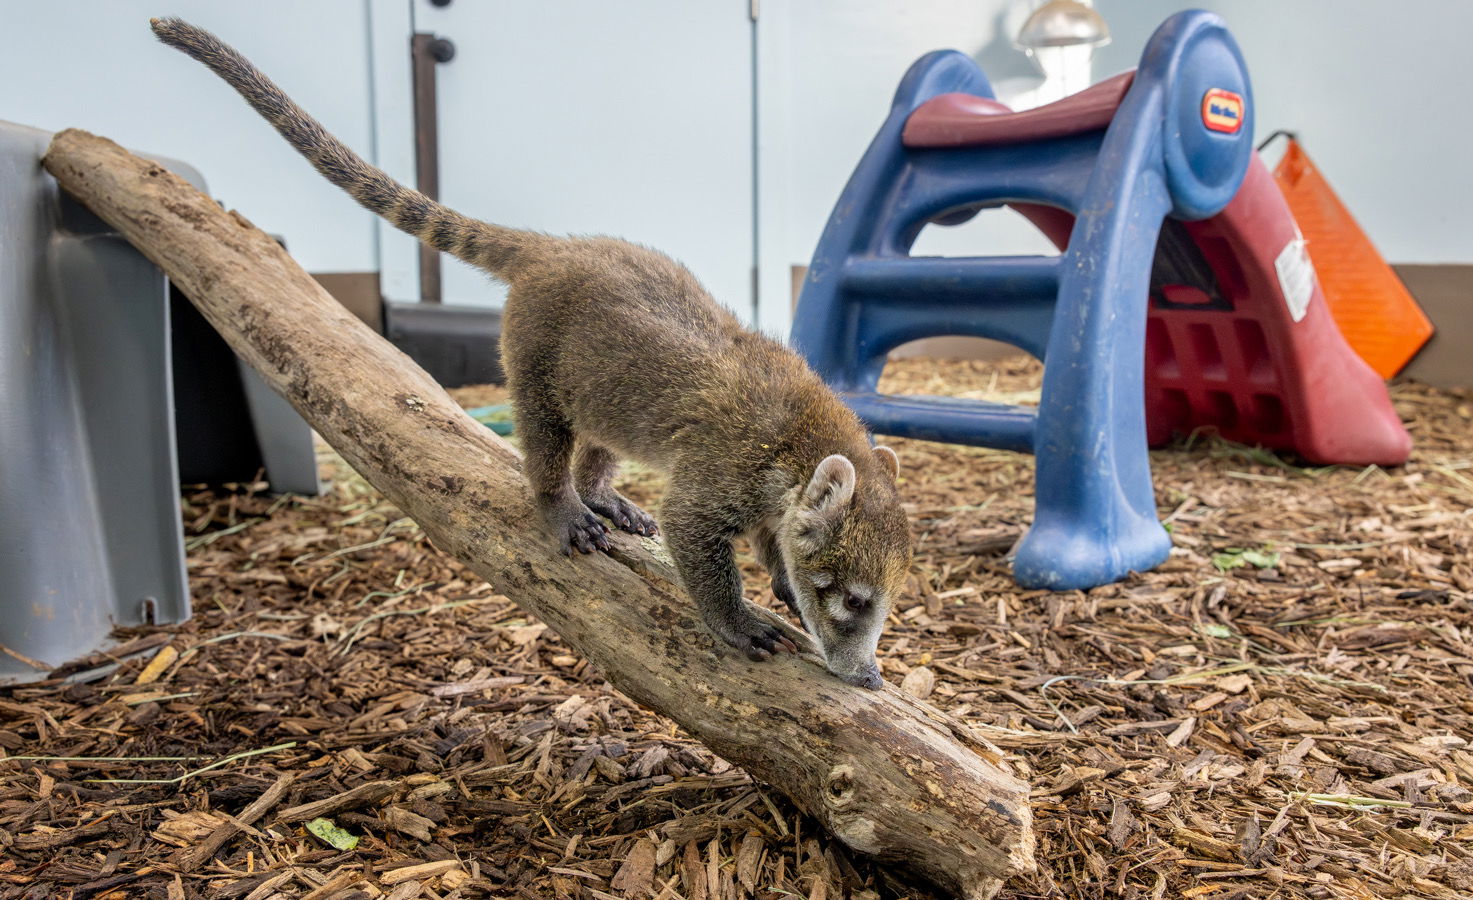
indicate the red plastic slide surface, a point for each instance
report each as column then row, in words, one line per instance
column 962, row 120
column 1274, row 370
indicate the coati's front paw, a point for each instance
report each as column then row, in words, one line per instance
column 579, row 529
column 753, row 636
column 624, row 514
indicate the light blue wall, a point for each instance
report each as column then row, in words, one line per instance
column 1378, row 93
column 1374, row 88
column 827, row 70
column 95, row 64
column 630, row 118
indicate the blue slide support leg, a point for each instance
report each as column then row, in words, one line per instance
column 1083, row 313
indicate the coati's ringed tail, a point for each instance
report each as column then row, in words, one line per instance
column 491, row 247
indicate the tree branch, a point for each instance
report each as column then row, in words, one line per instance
column 888, row 775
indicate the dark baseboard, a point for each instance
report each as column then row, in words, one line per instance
column 460, row 345
column 457, row 345
column 1445, row 293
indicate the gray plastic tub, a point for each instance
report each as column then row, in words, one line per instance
column 90, row 530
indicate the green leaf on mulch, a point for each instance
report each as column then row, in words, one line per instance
column 330, row 834
column 1262, row 559
column 1228, row 559
column 1236, row 557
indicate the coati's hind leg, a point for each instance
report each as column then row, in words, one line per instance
column 594, row 468
column 547, row 442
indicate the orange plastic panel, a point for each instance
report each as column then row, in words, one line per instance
column 1379, row 319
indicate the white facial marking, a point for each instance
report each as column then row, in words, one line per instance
column 838, row 611
column 838, row 607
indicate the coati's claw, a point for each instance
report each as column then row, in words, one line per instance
column 585, row 534
column 759, row 640
column 627, row 516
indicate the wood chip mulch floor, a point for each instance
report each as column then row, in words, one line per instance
column 1284, row 709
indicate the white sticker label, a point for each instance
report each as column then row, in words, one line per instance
column 1296, row 275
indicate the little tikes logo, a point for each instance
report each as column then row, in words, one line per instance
column 1222, row 111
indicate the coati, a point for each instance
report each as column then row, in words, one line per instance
column 612, row 350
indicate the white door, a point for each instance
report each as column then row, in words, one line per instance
column 631, row 119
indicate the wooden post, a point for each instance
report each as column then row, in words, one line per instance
column 887, row 774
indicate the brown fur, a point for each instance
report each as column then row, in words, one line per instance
column 615, row 350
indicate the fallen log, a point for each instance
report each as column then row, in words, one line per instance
column 887, row 774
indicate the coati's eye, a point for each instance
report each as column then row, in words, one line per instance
column 855, row 603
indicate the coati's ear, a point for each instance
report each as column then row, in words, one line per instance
column 824, row 501
column 888, row 461
column 831, row 487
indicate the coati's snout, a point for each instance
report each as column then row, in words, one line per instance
column 845, row 545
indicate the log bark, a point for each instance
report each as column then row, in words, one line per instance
column 889, row 775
